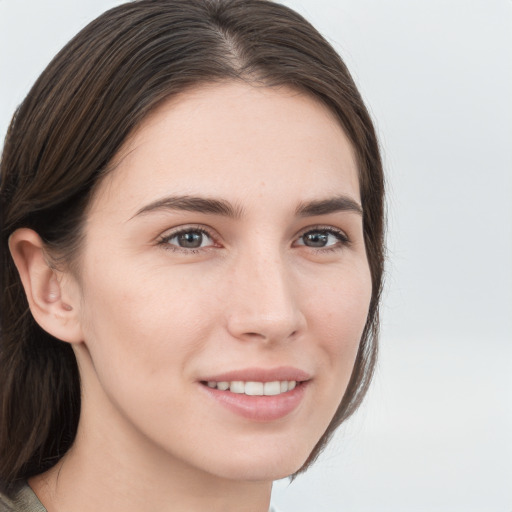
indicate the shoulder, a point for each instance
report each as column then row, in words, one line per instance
column 22, row 499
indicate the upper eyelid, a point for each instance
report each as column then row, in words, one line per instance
column 321, row 227
column 172, row 232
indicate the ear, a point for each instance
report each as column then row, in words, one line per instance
column 53, row 296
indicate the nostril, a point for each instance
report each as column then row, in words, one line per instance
column 267, row 336
column 255, row 335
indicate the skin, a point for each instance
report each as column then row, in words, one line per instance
column 148, row 319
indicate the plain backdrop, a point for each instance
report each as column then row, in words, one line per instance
column 436, row 431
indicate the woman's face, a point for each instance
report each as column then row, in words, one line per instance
column 225, row 250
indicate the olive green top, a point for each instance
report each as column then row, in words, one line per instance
column 22, row 499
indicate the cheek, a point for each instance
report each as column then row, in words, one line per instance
column 140, row 339
column 134, row 315
column 144, row 333
column 339, row 318
column 343, row 306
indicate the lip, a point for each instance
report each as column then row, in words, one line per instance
column 260, row 375
column 259, row 408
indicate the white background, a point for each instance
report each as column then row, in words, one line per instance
column 436, row 431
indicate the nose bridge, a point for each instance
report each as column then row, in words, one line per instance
column 264, row 305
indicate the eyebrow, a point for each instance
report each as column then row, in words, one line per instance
column 326, row 206
column 226, row 209
column 194, row 204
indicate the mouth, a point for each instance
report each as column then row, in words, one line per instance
column 258, row 395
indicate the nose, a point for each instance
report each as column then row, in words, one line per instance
column 264, row 301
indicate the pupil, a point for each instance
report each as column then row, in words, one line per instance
column 191, row 240
column 316, row 239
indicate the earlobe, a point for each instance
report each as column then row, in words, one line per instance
column 50, row 295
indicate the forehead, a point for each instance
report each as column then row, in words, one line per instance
column 235, row 140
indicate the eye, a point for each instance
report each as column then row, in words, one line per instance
column 189, row 238
column 323, row 238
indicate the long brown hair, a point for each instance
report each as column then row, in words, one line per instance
column 62, row 138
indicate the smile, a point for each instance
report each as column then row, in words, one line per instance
column 253, row 388
column 258, row 394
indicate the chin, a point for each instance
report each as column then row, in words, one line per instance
column 254, row 472
column 272, row 463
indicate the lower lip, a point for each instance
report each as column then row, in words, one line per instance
column 259, row 408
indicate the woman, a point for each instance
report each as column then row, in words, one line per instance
column 192, row 251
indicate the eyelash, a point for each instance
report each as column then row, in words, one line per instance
column 341, row 236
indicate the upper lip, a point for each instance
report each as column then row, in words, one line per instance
column 280, row 373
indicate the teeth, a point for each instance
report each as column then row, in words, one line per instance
column 237, row 386
column 254, row 388
column 272, row 388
